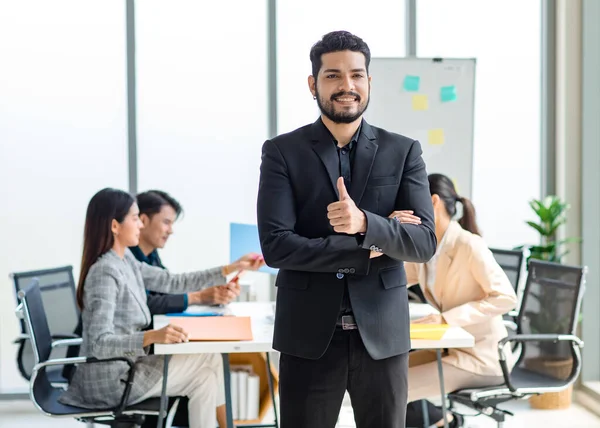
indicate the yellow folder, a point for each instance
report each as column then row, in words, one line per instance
column 428, row 331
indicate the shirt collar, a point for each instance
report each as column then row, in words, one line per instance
column 152, row 259
column 353, row 140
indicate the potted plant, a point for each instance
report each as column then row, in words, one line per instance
column 555, row 359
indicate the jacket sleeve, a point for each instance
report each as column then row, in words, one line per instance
column 163, row 281
column 499, row 295
column 281, row 246
column 100, row 303
column 402, row 241
column 160, row 304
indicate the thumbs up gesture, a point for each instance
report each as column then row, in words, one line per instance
column 344, row 215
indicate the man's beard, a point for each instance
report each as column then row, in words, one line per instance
column 328, row 109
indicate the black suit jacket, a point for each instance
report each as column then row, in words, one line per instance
column 298, row 179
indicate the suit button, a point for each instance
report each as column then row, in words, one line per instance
column 372, row 247
column 340, row 270
column 352, row 270
column 346, row 270
column 339, row 275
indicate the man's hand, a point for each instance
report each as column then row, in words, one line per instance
column 375, row 254
column 430, row 319
column 217, row 295
column 405, row 216
column 344, row 215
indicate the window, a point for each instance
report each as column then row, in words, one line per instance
column 202, row 117
column 63, row 136
column 505, row 37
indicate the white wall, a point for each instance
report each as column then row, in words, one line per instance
column 62, row 136
column 505, row 38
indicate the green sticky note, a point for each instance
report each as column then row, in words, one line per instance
column 411, row 83
column 448, row 93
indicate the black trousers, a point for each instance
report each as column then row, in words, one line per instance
column 180, row 419
column 415, row 417
column 311, row 391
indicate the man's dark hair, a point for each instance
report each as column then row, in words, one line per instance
column 152, row 201
column 337, row 41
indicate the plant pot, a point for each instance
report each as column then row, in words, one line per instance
column 559, row 368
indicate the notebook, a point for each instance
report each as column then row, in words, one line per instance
column 428, row 331
column 221, row 328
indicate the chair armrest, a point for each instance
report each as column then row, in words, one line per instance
column 92, row 360
column 22, row 337
column 59, row 336
column 67, row 342
column 511, row 325
column 19, row 311
column 535, row 338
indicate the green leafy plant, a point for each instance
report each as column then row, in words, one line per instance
column 551, row 213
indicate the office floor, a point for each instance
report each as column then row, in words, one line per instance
column 22, row 413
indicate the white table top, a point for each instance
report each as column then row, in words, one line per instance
column 262, row 315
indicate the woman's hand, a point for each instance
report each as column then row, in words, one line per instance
column 405, row 216
column 250, row 261
column 167, row 335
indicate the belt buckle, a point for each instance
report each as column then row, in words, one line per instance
column 348, row 323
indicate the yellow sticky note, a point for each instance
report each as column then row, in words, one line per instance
column 420, row 102
column 436, row 137
column 455, row 185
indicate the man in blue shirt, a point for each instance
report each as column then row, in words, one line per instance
column 158, row 213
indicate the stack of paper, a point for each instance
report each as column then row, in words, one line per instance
column 245, row 394
column 428, row 331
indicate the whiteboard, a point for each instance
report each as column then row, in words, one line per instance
column 432, row 101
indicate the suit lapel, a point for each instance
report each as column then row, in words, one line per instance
column 363, row 162
column 325, row 149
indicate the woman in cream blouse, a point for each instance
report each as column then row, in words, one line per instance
column 470, row 290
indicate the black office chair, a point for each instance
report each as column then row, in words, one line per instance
column 511, row 262
column 45, row 396
column 58, row 293
column 550, row 357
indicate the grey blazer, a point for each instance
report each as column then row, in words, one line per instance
column 114, row 314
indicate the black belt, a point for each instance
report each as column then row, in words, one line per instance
column 347, row 322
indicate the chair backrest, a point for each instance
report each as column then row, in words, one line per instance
column 57, row 288
column 511, row 261
column 551, row 305
column 35, row 318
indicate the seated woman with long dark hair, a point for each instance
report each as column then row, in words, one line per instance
column 112, row 296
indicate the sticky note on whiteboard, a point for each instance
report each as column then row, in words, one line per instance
column 411, row 83
column 455, row 186
column 448, row 93
column 420, row 102
column 435, row 137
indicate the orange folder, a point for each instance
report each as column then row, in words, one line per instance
column 428, row 331
column 224, row 328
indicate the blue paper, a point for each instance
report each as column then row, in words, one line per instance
column 448, row 93
column 411, row 83
column 243, row 240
